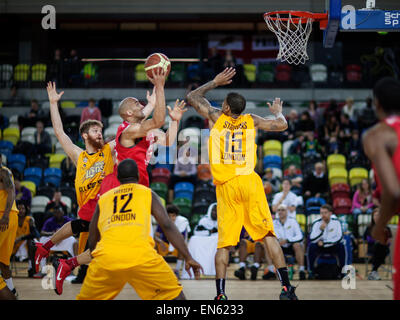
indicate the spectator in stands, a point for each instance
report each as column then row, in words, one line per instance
column 35, row 114
column 292, row 124
column 315, row 113
column 56, row 203
column 378, row 251
column 162, row 244
column 42, row 138
column 185, row 169
column 91, row 112
column 55, row 69
column 305, row 123
column 355, row 146
column 13, row 99
column 73, row 66
column 332, row 110
column 367, row 116
column 290, row 237
column 68, row 171
column 331, row 128
column 316, row 184
column 271, row 184
column 203, row 244
column 325, row 238
column 248, row 246
column 333, row 144
column 346, row 128
column 349, row 109
column 24, row 246
column 362, row 199
column 292, row 172
column 310, row 144
column 22, row 193
column 287, row 198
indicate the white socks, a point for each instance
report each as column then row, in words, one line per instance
column 242, row 264
column 271, row 268
column 9, row 283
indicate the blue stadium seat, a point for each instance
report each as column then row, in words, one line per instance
column 313, row 205
column 6, row 148
column 272, row 161
column 184, row 190
column 33, row 174
column 52, row 176
column 17, row 161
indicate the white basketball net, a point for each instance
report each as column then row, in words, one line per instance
column 292, row 37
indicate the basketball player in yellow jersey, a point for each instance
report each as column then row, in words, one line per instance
column 120, row 246
column 8, row 231
column 92, row 165
column 241, row 200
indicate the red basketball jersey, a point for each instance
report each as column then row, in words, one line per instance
column 141, row 152
column 393, row 122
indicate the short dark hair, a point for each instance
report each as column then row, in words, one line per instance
column 327, row 207
column 236, row 102
column 127, row 171
column 86, row 125
column 171, row 208
column 387, row 92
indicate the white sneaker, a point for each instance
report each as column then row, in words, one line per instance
column 374, row 275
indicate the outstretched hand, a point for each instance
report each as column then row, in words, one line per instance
column 276, row 106
column 193, row 264
column 158, row 77
column 225, row 77
column 54, row 97
column 151, row 99
column 176, row 114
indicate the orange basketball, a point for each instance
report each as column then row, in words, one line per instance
column 155, row 61
column 267, row 187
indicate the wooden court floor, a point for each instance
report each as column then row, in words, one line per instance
column 204, row 289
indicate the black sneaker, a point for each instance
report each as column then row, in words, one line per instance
column 221, row 296
column 269, row 275
column 31, row 272
column 253, row 271
column 302, row 275
column 288, row 293
column 81, row 275
column 15, row 293
column 240, row 273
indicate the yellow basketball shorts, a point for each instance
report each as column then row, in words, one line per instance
column 152, row 280
column 241, row 201
column 251, row 246
column 7, row 238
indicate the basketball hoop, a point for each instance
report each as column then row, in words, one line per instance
column 293, row 28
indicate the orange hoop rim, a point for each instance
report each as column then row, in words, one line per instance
column 302, row 16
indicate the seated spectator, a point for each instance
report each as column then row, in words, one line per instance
column 91, row 112
column 315, row 113
column 292, row 124
column 68, row 171
column 316, row 184
column 367, row 117
column 298, row 144
column 24, row 246
column 349, row 110
column 55, row 203
column 331, row 128
column 13, row 99
column 203, row 244
column 248, row 246
column 163, row 246
column 185, row 169
column 43, row 143
column 290, row 237
column 310, row 145
column 325, row 238
column 291, row 173
column 346, row 129
column 355, row 146
column 287, row 198
column 305, row 123
column 297, row 188
column 362, row 199
column 331, row 110
column 22, row 193
column 35, row 114
column 333, row 145
column 51, row 225
column 378, row 251
column 271, row 184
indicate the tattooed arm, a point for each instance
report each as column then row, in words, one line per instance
column 8, row 185
column 277, row 122
column 196, row 97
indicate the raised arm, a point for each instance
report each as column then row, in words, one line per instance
column 69, row 147
column 173, row 235
column 8, row 186
column 276, row 122
column 197, row 100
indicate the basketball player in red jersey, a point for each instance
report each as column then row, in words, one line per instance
column 382, row 146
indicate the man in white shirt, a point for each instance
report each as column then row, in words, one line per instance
column 325, row 238
column 287, row 198
column 290, row 237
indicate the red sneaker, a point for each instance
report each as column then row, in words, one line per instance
column 63, row 270
column 41, row 253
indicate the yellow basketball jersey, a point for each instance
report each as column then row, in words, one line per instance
column 90, row 171
column 124, row 225
column 4, row 195
column 25, row 229
column 232, row 149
